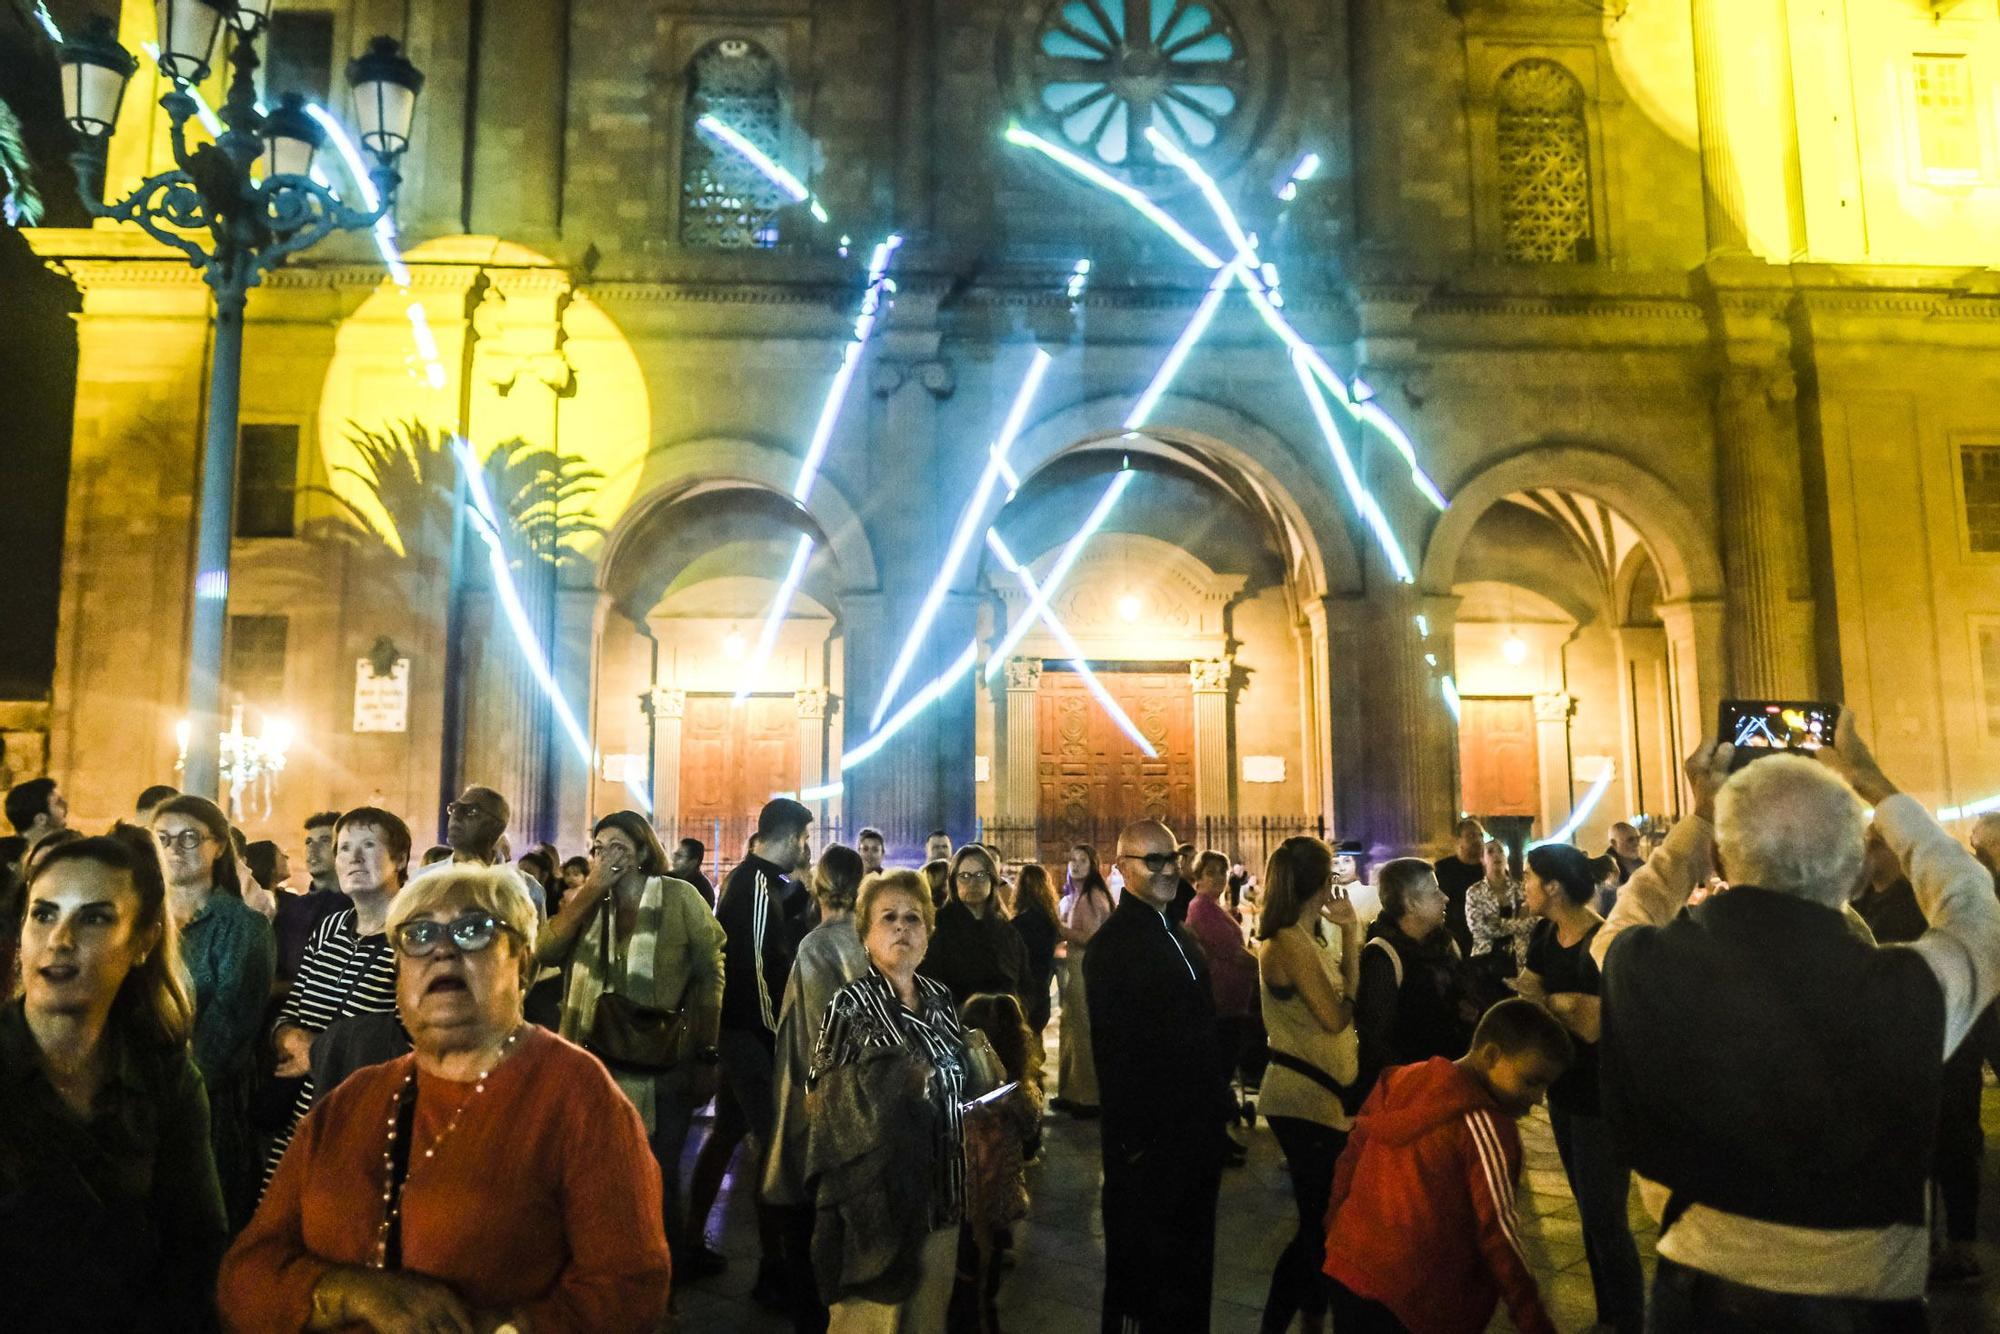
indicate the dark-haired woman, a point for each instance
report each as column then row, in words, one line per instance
column 1307, row 966
column 635, row 931
column 349, row 967
column 110, row 1214
column 1559, row 887
column 231, row 958
column 975, row 947
column 1086, row 906
column 1038, row 922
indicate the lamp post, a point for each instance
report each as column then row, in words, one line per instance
column 235, row 226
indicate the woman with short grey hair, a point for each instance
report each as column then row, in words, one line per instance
column 495, row 1175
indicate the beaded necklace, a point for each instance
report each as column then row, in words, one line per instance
column 392, row 1189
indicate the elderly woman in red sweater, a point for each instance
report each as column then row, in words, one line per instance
column 494, row 1176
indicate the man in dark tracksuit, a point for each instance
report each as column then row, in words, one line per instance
column 1152, row 1026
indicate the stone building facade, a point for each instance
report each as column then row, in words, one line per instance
column 1685, row 307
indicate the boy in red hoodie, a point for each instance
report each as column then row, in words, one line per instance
column 1421, row 1235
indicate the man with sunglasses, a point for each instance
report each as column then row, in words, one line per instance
column 1164, row 1102
column 473, row 825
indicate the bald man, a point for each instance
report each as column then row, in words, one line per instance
column 1164, row 1100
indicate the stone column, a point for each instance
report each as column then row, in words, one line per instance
column 1558, row 783
column 1722, row 192
column 1020, row 797
column 1696, row 661
column 1211, row 680
column 669, row 705
column 811, row 705
column 1757, row 463
column 1405, row 773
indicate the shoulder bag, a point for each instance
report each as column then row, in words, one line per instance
column 625, row 1035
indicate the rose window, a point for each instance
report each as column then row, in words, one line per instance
column 1101, row 72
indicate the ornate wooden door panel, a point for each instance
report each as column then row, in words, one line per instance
column 734, row 757
column 1499, row 760
column 1092, row 777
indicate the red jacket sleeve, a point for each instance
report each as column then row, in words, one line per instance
column 618, row 1272
column 1492, row 1156
column 268, row 1276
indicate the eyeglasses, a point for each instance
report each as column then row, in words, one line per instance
column 463, row 808
column 1156, row 862
column 470, row 933
column 185, row 841
column 974, row 878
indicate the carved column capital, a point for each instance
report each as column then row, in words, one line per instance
column 935, row 374
column 664, row 702
column 1210, row 676
column 812, row 702
column 1553, row 708
column 1024, row 675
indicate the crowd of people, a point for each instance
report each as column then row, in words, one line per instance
column 453, row 1091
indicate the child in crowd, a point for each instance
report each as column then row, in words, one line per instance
column 1000, row 1139
column 1421, row 1233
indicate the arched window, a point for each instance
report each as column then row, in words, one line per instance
column 726, row 204
column 1544, row 145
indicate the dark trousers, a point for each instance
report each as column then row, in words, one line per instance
column 1355, row 1314
column 1688, row 1301
column 1159, row 1237
column 1961, row 1142
column 1601, row 1182
column 809, row 1313
column 1297, row 1285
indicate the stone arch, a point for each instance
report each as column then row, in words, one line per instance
column 670, row 474
column 1674, row 535
column 1214, row 440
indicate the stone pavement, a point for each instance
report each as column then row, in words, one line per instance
column 1055, row 1284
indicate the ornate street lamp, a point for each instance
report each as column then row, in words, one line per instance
column 235, row 225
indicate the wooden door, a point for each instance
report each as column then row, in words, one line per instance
column 733, row 757
column 1499, row 761
column 1093, row 778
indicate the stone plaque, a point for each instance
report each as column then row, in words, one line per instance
column 381, row 699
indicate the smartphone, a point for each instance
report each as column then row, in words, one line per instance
column 1761, row 727
column 996, row 1095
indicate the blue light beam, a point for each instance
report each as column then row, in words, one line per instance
column 771, row 169
column 485, row 517
column 1067, row 642
column 1583, row 809
column 962, row 537
column 1364, row 503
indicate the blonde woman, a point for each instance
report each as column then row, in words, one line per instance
column 1086, row 907
column 1308, row 968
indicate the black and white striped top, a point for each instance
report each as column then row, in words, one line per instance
column 342, row 975
column 867, row 1014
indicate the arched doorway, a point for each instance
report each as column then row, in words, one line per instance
column 1189, row 607
column 686, row 584
column 1587, row 644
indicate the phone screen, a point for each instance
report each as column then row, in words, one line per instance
column 985, row 1099
column 1760, row 727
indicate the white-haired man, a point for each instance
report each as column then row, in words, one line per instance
column 1776, row 1079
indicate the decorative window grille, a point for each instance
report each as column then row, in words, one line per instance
column 1979, row 468
column 726, row 204
column 257, row 658
column 1544, row 149
column 1946, row 118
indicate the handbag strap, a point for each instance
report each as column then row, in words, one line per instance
column 399, row 1172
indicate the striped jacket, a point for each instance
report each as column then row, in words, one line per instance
column 1422, row 1215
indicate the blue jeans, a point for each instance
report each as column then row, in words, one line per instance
column 1601, row 1181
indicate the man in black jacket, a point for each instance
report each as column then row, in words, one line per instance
column 756, row 964
column 1165, row 1105
column 1776, row 1075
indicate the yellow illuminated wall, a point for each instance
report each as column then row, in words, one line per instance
column 530, row 335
